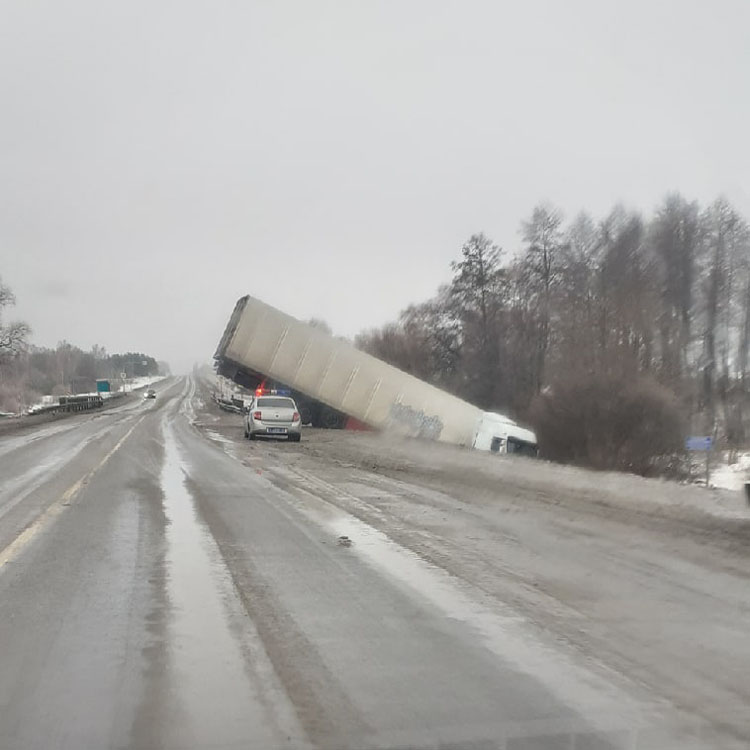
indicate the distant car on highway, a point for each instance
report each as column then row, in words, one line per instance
column 150, row 393
column 273, row 416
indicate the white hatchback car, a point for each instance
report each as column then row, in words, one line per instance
column 273, row 416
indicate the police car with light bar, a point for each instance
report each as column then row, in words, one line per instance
column 273, row 413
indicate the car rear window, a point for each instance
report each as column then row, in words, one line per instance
column 276, row 403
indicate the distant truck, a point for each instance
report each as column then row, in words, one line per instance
column 262, row 344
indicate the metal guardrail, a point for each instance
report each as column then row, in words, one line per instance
column 227, row 404
column 69, row 404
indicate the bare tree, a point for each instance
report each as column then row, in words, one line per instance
column 435, row 330
column 722, row 311
column 675, row 241
column 394, row 344
column 544, row 244
column 476, row 296
column 744, row 337
column 13, row 335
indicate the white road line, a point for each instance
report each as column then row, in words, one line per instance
column 9, row 553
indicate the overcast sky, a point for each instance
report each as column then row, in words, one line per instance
column 160, row 159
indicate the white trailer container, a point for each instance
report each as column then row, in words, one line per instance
column 266, row 341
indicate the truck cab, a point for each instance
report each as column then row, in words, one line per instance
column 500, row 434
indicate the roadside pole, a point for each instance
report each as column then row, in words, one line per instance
column 704, row 444
column 708, row 466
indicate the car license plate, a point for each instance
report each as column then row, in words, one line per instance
column 277, row 430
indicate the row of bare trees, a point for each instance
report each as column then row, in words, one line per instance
column 37, row 371
column 586, row 311
column 28, row 372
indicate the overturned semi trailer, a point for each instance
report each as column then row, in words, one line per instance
column 263, row 343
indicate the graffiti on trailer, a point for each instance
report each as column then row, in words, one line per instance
column 417, row 422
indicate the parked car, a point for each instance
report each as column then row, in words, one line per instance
column 273, row 416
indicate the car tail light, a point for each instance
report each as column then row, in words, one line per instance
column 295, row 416
column 256, row 415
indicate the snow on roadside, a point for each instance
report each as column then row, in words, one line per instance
column 135, row 383
column 731, row 476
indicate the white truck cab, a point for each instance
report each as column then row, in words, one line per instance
column 500, row 434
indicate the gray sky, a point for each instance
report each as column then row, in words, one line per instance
column 160, row 159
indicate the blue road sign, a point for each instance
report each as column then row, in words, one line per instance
column 699, row 443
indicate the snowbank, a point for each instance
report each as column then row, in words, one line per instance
column 731, row 476
column 135, row 384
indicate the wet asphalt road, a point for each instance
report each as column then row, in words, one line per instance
column 157, row 593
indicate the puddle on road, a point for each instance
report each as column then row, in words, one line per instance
column 215, row 699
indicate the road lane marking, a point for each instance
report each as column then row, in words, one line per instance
column 22, row 540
